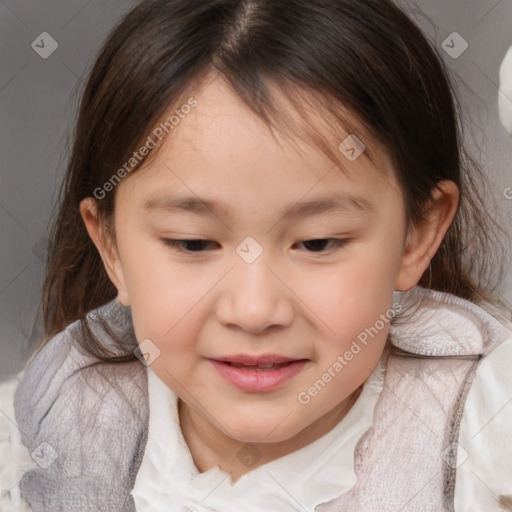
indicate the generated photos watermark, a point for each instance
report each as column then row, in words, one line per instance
column 304, row 397
column 152, row 141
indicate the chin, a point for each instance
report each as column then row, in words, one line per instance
column 260, row 432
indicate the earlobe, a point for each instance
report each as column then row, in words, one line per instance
column 425, row 237
column 105, row 247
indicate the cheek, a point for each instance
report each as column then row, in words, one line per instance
column 354, row 307
column 173, row 326
column 350, row 296
column 168, row 309
column 173, row 337
column 347, row 358
column 163, row 292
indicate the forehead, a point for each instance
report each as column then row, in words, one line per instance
column 222, row 145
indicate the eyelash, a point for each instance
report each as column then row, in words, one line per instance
column 339, row 243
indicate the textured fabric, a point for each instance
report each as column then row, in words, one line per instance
column 99, row 430
column 86, row 425
column 418, row 414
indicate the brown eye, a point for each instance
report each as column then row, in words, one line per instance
column 318, row 244
column 191, row 245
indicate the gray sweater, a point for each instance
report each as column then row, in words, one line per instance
column 86, row 424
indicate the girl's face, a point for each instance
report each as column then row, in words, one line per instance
column 258, row 288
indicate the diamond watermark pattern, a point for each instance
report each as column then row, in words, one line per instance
column 249, row 250
column 40, row 249
column 454, row 45
column 450, row 457
column 44, row 45
column 44, row 455
column 249, row 455
column 352, row 147
column 147, row 352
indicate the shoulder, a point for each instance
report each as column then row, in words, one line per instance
column 69, row 407
column 484, row 458
column 63, row 375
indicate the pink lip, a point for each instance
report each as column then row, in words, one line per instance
column 252, row 380
column 254, row 360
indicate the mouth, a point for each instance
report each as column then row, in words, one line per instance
column 258, row 367
column 261, row 361
column 257, row 374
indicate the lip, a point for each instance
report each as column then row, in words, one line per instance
column 257, row 381
column 254, row 360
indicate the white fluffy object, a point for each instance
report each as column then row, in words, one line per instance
column 505, row 92
column 15, row 458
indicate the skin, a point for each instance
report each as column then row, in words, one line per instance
column 294, row 299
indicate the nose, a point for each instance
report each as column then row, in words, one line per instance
column 255, row 298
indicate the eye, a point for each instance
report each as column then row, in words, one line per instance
column 198, row 245
column 194, row 245
column 317, row 244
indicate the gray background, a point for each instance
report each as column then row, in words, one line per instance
column 38, row 99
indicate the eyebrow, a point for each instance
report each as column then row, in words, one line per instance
column 209, row 208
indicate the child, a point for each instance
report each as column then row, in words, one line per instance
column 267, row 285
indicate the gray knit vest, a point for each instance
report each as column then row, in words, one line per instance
column 87, row 427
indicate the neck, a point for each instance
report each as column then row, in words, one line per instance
column 210, row 447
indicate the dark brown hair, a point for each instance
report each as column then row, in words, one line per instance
column 366, row 57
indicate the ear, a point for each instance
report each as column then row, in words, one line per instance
column 425, row 237
column 102, row 239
